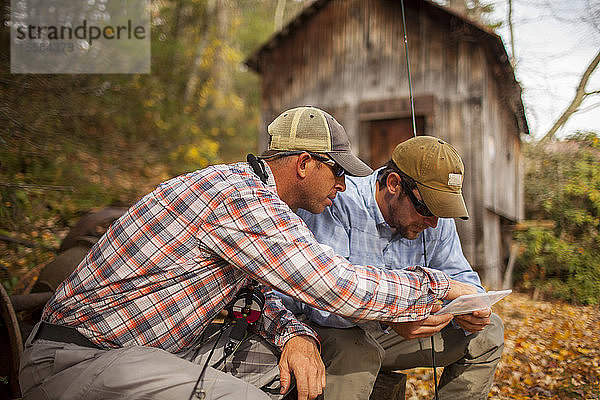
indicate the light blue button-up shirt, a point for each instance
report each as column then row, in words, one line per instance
column 354, row 227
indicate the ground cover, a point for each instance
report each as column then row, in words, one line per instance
column 552, row 351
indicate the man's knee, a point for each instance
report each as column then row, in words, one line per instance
column 351, row 350
column 490, row 340
column 352, row 360
column 496, row 328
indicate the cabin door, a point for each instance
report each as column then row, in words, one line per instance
column 385, row 134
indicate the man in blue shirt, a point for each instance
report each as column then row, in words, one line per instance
column 401, row 215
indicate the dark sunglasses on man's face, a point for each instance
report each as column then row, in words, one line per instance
column 337, row 169
column 420, row 207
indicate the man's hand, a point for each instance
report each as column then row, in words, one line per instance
column 423, row 328
column 459, row 289
column 301, row 357
column 474, row 322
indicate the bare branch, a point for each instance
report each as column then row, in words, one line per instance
column 26, row 243
column 40, row 187
column 278, row 19
column 580, row 95
column 513, row 54
column 588, row 108
column 194, row 78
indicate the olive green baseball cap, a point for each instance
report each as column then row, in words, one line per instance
column 439, row 172
column 311, row 129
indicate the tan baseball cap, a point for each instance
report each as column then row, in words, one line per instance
column 311, row 129
column 438, row 171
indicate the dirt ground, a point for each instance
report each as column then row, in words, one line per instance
column 552, row 351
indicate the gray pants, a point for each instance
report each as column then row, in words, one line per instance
column 56, row 370
column 353, row 358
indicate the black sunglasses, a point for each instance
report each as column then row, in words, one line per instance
column 337, row 169
column 420, row 207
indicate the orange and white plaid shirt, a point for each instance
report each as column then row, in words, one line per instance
column 175, row 259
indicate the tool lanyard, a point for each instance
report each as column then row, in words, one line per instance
column 245, row 309
column 414, row 124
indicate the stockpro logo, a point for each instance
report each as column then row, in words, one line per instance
column 74, row 36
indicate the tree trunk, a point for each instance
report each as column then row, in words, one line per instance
column 278, row 20
column 192, row 81
column 513, row 54
column 508, row 273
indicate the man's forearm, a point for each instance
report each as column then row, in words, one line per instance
column 458, row 289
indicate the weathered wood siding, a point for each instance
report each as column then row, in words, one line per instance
column 349, row 59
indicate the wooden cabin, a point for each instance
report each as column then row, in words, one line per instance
column 348, row 57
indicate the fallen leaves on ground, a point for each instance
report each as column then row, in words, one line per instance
column 552, row 351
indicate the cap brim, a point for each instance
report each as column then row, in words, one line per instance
column 351, row 164
column 444, row 204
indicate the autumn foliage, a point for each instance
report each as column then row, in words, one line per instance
column 73, row 143
column 562, row 186
column 551, row 352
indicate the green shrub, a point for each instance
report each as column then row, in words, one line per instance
column 562, row 184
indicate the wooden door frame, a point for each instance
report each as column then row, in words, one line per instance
column 393, row 108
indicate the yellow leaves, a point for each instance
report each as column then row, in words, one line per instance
column 534, row 368
column 548, row 352
column 161, row 124
column 232, row 55
column 192, row 155
column 561, row 355
column 210, row 147
column 528, row 381
column 153, row 100
column 236, row 102
column 583, row 351
column 208, row 57
column 205, row 92
column 198, row 155
column 551, row 351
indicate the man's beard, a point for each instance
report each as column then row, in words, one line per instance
column 410, row 232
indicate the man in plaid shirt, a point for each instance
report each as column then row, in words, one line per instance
column 131, row 321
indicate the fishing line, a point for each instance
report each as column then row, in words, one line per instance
column 432, row 341
column 198, row 392
column 414, row 125
column 410, row 93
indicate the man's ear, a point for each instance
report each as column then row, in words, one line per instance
column 393, row 183
column 302, row 165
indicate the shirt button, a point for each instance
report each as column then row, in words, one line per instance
column 413, row 315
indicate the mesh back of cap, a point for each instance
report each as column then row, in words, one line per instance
column 303, row 128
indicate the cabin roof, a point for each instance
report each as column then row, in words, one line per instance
column 490, row 39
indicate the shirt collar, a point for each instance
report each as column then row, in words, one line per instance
column 372, row 205
column 270, row 178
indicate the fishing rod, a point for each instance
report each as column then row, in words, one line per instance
column 410, row 93
column 414, row 126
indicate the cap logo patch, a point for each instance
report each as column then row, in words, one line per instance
column 454, row 179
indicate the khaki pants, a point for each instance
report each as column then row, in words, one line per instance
column 56, row 370
column 353, row 358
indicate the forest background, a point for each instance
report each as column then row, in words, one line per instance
column 73, row 143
